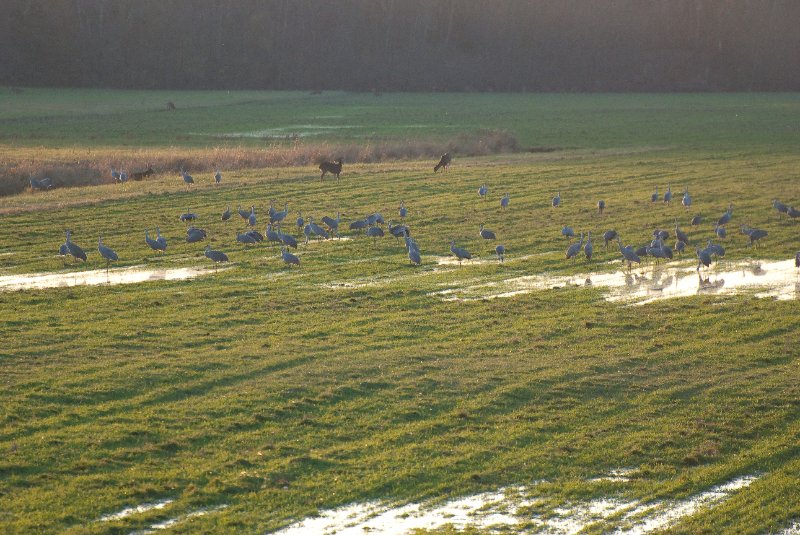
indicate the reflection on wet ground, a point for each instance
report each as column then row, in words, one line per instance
column 131, row 275
column 779, row 280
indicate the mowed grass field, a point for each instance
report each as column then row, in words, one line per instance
column 265, row 394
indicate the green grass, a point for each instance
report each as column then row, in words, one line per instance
column 267, row 390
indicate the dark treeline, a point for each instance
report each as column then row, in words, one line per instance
column 403, row 45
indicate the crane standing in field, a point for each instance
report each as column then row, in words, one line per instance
column 74, row 249
column 107, row 253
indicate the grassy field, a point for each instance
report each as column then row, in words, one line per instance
column 267, row 394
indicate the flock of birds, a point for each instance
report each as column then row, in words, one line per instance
column 372, row 226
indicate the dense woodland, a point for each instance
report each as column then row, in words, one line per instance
column 404, row 45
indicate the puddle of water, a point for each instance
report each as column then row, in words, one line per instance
column 130, row 275
column 128, row 511
column 504, row 509
column 778, row 280
column 618, row 475
column 177, row 520
column 665, row 517
column 794, row 529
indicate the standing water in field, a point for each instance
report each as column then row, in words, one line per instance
column 130, row 275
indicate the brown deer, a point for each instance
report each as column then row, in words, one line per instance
column 139, row 175
column 334, row 167
column 444, row 162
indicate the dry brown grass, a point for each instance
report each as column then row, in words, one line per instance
column 80, row 167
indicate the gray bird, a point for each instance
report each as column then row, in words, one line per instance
column 486, row 234
column 667, row 195
column 287, row 239
column 360, row 224
column 797, row 260
column 217, row 177
column 194, row 234
column 504, row 201
column 251, row 219
column 300, row 223
column 410, row 243
column 42, row 184
column 680, row 246
column 226, row 214
column 375, row 232
column 216, row 256
column 256, row 235
column 500, row 251
column 588, row 249
column 556, row 202
column 403, row 211
column 483, row 191
column 161, row 239
column 398, row 231
column 188, row 216
column 289, row 258
column 573, row 249
column 720, row 232
column 726, row 217
column 277, row 217
column 460, row 254
column 687, row 199
column 74, row 249
column 106, row 252
column 601, row 205
column 608, row 236
column 245, row 238
column 714, row 249
column 154, row 244
column 187, row 178
column 332, row 224
column 628, row 254
column 414, row 256
column 754, row 234
column 679, row 234
column 703, row 258
column 793, row 212
column 568, row 232
column 696, row 220
column 780, row 207
column 654, row 197
column 244, row 214
column 272, row 235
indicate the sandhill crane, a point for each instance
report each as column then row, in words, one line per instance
column 568, row 232
column 667, row 195
column 696, row 220
column 414, row 256
column 271, row 234
column 628, row 254
column 359, row 224
column 403, row 211
column 375, row 232
column 608, row 236
column 654, row 196
column 334, row 167
column 287, row 239
column 720, row 232
column 256, row 235
column 680, row 246
column 277, row 217
column 703, row 258
column 601, row 205
column 63, row 250
column 245, row 238
column 588, row 249
column 679, row 234
column 687, row 199
column 398, row 231
column 217, row 177
column 793, row 212
column 556, row 202
column 289, row 258
column 444, row 163
column 114, row 174
column 251, row 219
column 272, row 210
column 754, row 234
column 187, row 178
column 74, row 249
column 486, row 234
column 300, row 222
column 216, row 256
column 780, row 207
column 573, row 249
column 188, row 216
column 123, row 176
column 154, row 244
column 483, row 191
column 726, row 217
column 460, row 254
column 660, row 234
column 106, row 252
column 332, row 224
column 500, row 251
column 504, row 201
column 161, row 239
column 244, row 214
column 194, row 234
column 715, row 249
column 797, row 260
column 226, row 214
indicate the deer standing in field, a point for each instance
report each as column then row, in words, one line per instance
column 334, row 167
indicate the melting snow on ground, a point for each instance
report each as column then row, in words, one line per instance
column 506, row 509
